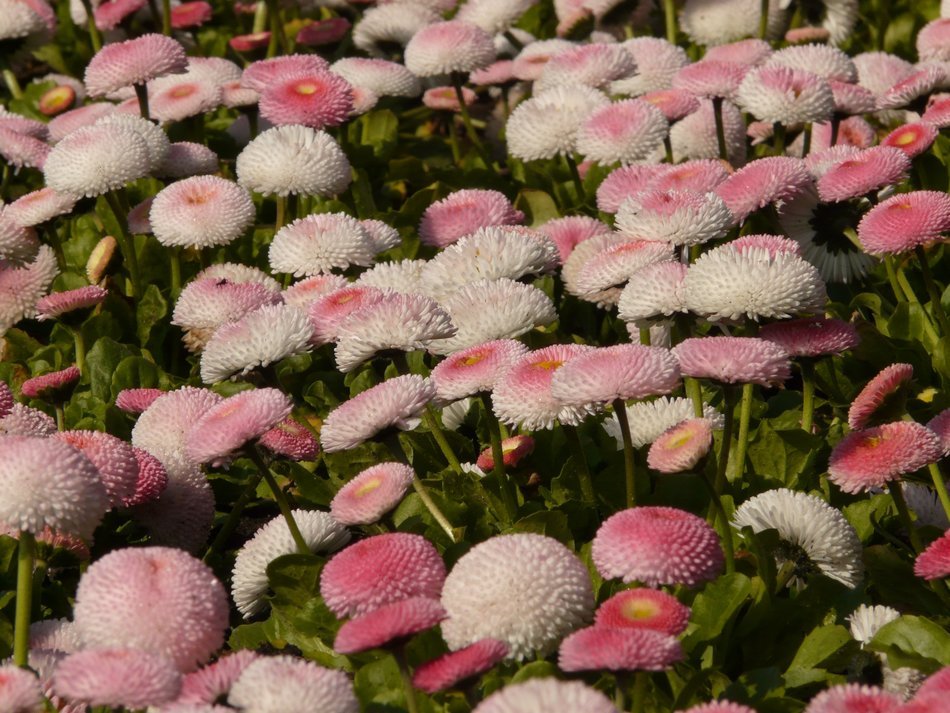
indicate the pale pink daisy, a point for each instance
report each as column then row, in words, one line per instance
column 623, row 183
column 21, row 287
column 701, row 175
column 913, row 139
column 475, row 369
column 570, row 230
column 547, row 124
column 445, row 98
column 513, row 450
column 462, row 213
column 446, row 47
column 387, row 624
column 530, row 61
column 711, row 79
column 57, row 304
column 20, row 689
column 314, row 99
column 20, row 150
column 264, row 73
column 371, row 494
column 869, row 458
column 674, row 103
column 934, row 562
column 824, row 60
column 591, row 65
column 938, row 112
column 38, row 207
column 657, row 545
column 210, row 682
column 678, row 217
column 785, row 95
column 546, row 694
column 206, row 304
column 657, row 60
column 114, row 459
column 767, row 180
column 695, row 137
column 862, row 173
column 681, row 447
column 734, row 360
column 305, row 292
column 456, row 666
column 914, row 86
column 135, row 61
column 380, row 76
column 851, row 99
column 177, row 99
column 624, row 131
column 51, row 385
column 201, row 212
column 725, row 21
column 190, row 14
column 97, row 159
column 77, row 118
column 854, row 698
column 618, row 649
column 396, row 402
column 904, row 221
column 111, row 13
column 750, row 52
column 281, row 684
column 644, row 608
column 291, row 439
column 885, row 385
column 811, row 336
column 151, row 481
column 117, row 677
column 654, row 291
column 22, row 420
column 382, row 27
column 328, row 312
column 601, row 277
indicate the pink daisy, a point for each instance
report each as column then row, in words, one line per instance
column 20, row 689
column 643, row 609
column 654, row 291
column 863, row 173
column 876, row 392
column 22, row 420
column 112, row 13
column 812, row 336
column 371, row 494
column 305, row 292
column 116, row 677
column 6, row 399
column 710, row 78
column 281, row 684
column 22, row 150
column 381, row 570
column 264, row 73
column 592, row 65
column 395, row 403
column 323, row 32
column 57, row 304
column 656, row 546
column 462, row 213
column 151, row 481
column 209, row 683
column 681, row 447
column 751, row 52
column 208, row 303
column 695, row 137
column 186, row 158
column 177, row 99
column 201, row 212
column 445, row 98
column 701, row 175
column 939, row 424
column 761, row 182
column 292, row 440
column 77, row 118
column 546, row 694
column 905, row 221
column 144, row 598
column 871, row 457
column 315, row 99
column 249, row 42
column 934, row 562
column 625, row 131
column 774, row 245
column 122, row 64
column 674, row 103
column 785, row 95
column 388, row 623
column 451, row 668
column 854, row 698
column 18, row 244
column 734, row 360
column 328, row 312
column 475, row 369
column 938, row 112
column 113, row 458
column 624, row 182
column 513, row 450
column 190, row 14
column 48, row 385
column 446, row 47
column 229, row 425
column 321, row 242
column 936, row 685
column 601, row 277
column 39, row 207
column 497, row 73
column 913, row 139
column 21, row 287
column 621, row 649
column 679, row 217
column 851, row 98
column 915, row 85
column 570, row 230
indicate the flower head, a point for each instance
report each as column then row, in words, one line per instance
column 824, row 60
column 395, row 23
column 591, row 65
column 913, row 139
column 22, row 287
column 537, row 695
column 446, row 47
column 854, row 698
column 734, row 360
column 674, row 103
column 462, row 213
column 320, row 243
column 548, row 124
column 681, row 447
column 52, row 385
column 657, row 60
column 330, row 311
column 934, row 562
column 387, row 623
column 179, row 98
column 114, row 459
column 643, row 608
column 905, row 221
column 116, row 677
column 20, row 689
column 380, row 76
column 312, row 98
column 475, row 369
column 761, row 182
column 789, row 96
column 871, row 457
column 293, row 159
column 97, row 159
column 372, row 493
column 281, row 684
column 201, row 212
column 122, row 64
column 812, row 336
column 22, row 420
column 884, row 386
column 451, row 668
column 57, row 304
column 210, row 682
column 570, row 230
column 618, row 649
column 711, row 79
column 862, row 173
column 679, row 217
column 513, row 450
column 292, row 440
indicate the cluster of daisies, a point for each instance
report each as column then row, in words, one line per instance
column 613, row 252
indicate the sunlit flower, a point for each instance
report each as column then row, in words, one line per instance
column 734, row 360
column 643, row 608
column 136, row 61
column 717, row 23
column 862, row 173
column 811, row 336
column 761, row 182
column 314, row 99
column 380, row 76
column 463, row 212
column 653, row 291
column 446, row 47
column 681, row 447
column 201, row 212
column 591, row 65
column 854, row 698
column 116, row 677
column 293, row 159
column 546, row 694
column 657, row 60
column 548, row 124
column 371, row 494
column 97, row 159
column 447, row 670
column 382, row 26
column 871, row 457
column 618, row 649
column 388, row 623
column 905, row 221
column 57, row 304
column 320, row 243
column 679, row 217
column 284, row 684
column 694, row 136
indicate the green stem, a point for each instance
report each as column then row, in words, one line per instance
column 231, row 522
column 784, row 576
column 13, row 84
column 79, row 347
column 835, row 126
column 629, row 468
column 431, row 506
column 281, row 220
column 897, row 495
column 24, row 599
column 431, row 422
column 277, row 38
column 717, row 511
column 260, row 17
column 174, row 270
column 645, row 336
column 412, row 706
column 940, row 486
column 60, row 416
column 167, row 17
column 640, row 681
column 720, row 128
column 575, row 176
column 505, row 485
column 515, row 42
column 745, row 414
column 583, row 472
column 95, row 37
column 728, row 411
column 467, row 120
column 932, row 291
column 806, row 140
column 126, row 241
column 668, row 145
column 778, row 134
column 669, row 12
column 892, row 279
column 141, row 93
column 695, row 392
column 281, row 499
column 764, row 19
column 911, row 296
column 808, row 394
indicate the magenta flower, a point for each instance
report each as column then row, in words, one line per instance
column 643, row 609
column 876, row 392
column 681, row 447
column 51, row 385
column 57, row 304
column 934, row 562
column 761, row 182
column 371, row 494
column 314, row 99
column 291, row 439
column 905, row 221
column 914, row 138
column 266, row 72
column 388, row 623
column 475, row 369
column 863, row 173
column 447, row 670
column 812, row 336
column 135, row 401
column 621, row 649
column 462, row 213
column 513, row 450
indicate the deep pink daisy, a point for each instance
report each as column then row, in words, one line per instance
column 447, row 670
column 190, row 14
column 674, row 103
column 388, row 623
column 56, row 304
column 151, row 481
column 462, row 213
column 734, row 360
column 136, row 400
column 711, row 78
column 371, row 494
column 863, row 173
column 48, row 386
column 114, row 459
column 475, row 369
column 761, row 182
column 681, row 447
column 291, row 439
column 934, row 562
column 264, row 73
column 939, row 424
column 323, row 32
column 380, row 570
column 871, row 457
column 644, row 609
column 937, row 685
column 117, row 677
column 656, row 546
column 315, row 99
column 937, row 113
column 229, row 425
column 209, row 683
column 136, row 61
column 621, row 649
column 913, row 139
column 854, row 698
column 882, row 387
column 513, row 450
column 249, row 42
column 569, row 231
column 812, row 336
column 917, row 84
column 112, row 13
column 905, row 221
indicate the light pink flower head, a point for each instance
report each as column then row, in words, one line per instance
column 905, row 221
column 117, row 677
column 209, row 683
column 263, row 73
column 513, row 450
column 734, row 360
column 656, row 546
column 57, row 304
column 940, row 424
column 177, row 99
column 186, row 158
column 381, row 570
column 852, row 98
column 885, row 385
column 499, row 72
column 151, row 481
column 21, row 287
column 39, row 207
column 329, row 312
column 319, row 243
column 50, row 386
column 618, row 649
column 679, row 217
column 711, row 78
column 623, row 183
column 201, row 212
column 695, row 136
column 113, row 458
column 77, row 118
column 913, row 139
column 785, row 95
column 644, row 608
column 601, row 277
column 229, row 425
column 371, row 494
column 97, row 159
column 917, row 84
column 20, row 149
column 20, row 689
column 206, row 304
column 591, row 65
column 315, row 99
column 546, row 694
column 570, row 230
column 937, row 113
column 674, row 103
column 462, row 213
column 812, row 336
column 145, row 597
column 190, row 14
column 854, row 698
column 681, row 447
column 871, row 457
column 291, row 439
column 305, row 292
column 111, row 13
column 824, row 60
column 445, row 98
column 700, row 175
column 388, row 623
column 136, row 400
column 475, row 369
column 863, row 173
column 22, row 420
column 451, row 668
column 135, row 61
column 625, row 131
column 446, row 47
column 761, row 182
column 657, row 60
column 751, row 52
column 934, row 562
column 774, row 245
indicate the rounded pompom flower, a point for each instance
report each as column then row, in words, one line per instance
column 177, row 98
column 208, row 303
column 592, row 65
column 122, row 64
column 463, row 212
column 723, row 21
column 916, row 84
column 597, row 271
column 201, row 212
column 39, row 207
column 812, row 336
column 314, row 99
column 885, row 385
column 934, row 562
column 525, row 590
column 21, row 287
column 46, row 483
column 145, row 598
column 97, row 159
column 320, row 243
column 329, row 312
column 824, row 60
column 710, row 79
column 185, row 158
column 57, row 304
column 862, row 173
column 810, row 526
column 469, row 371
column 624, row 131
column 388, row 623
column 854, row 698
column 113, row 458
column 657, row 62
column 654, row 291
column 548, row 124
column 451, row 668
column 381, row 570
column 380, row 76
column 22, row 420
column 320, row 531
column 657, row 546
column 681, row 447
column 293, row 159
column 540, row 695
column 568, row 232
column 116, row 677
column 618, row 649
column 734, row 360
column 371, row 494
column 643, row 609
column 396, row 23
column 674, row 103
column 52, row 385
column 679, row 217
column 396, row 402
column 291, row 439
column 20, row 690
column 761, row 182
column 905, row 221
column 266, row 72
column 283, row 684
column 446, row 47
column 151, row 481
column 209, row 683
column 785, row 95
column 871, row 457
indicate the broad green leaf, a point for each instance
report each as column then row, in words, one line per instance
column 101, row 363
column 716, row 604
column 819, row 645
column 552, row 523
column 913, row 641
column 537, row 205
column 151, row 309
column 134, row 373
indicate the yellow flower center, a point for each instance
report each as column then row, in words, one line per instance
column 639, row 609
column 368, row 487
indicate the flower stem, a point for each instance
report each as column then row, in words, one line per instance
column 806, row 140
column 808, row 394
column 933, row 291
column 95, row 37
column 583, row 472
column 720, row 129
column 669, row 12
column 13, row 84
column 640, row 681
column 281, row 499
column 892, row 279
column 717, row 511
column 79, row 346
column 167, row 17
column 141, row 93
column 835, row 127
column 575, row 176
column 620, row 409
column 695, row 392
column 764, row 19
column 412, row 705
column 126, row 242
column 431, row 506
column 174, row 270
column 897, row 495
column 668, row 145
column 24, row 599
column 778, row 132
column 505, row 484
column 940, row 486
column 60, row 416
column 467, row 120
column 231, row 521
column 745, row 414
column 432, row 423
column 728, row 410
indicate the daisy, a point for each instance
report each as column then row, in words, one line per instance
column 201, row 212
column 280, row 684
column 618, row 649
column 871, row 457
column 320, row 243
column 624, row 131
column 314, row 99
column 547, row 125
column 463, row 212
column 678, row 217
column 388, row 624
column 734, row 360
column 447, row 47
column 904, row 221
column 449, row 669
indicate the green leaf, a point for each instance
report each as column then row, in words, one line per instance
column 134, row 373
column 101, row 363
column 537, row 205
column 151, row 309
column 819, row 645
column 715, row 605
column 552, row 523
column 893, row 578
column 783, row 454
column 913, row 641
column 379, row 129
column 535, row 669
